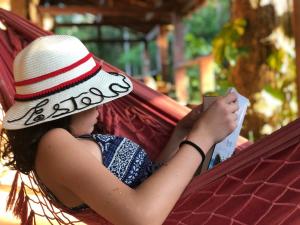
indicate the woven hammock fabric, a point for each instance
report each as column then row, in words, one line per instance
column 259, row 185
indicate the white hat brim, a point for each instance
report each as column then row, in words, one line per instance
column 97, row 90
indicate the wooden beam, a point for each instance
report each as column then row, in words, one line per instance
column 137, row 20
column 141, row 3
column 142, row 28
column 103, row 40
column 104, row 11
column 296, row 24
column 110, row 22
column 190, row 6
column 145, row 9
column 67, row 2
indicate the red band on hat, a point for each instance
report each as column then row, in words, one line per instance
column 54, row 73
column 60, row 86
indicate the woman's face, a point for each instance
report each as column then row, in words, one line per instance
column 83, row 122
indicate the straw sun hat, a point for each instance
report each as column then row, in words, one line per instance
column 56, row 76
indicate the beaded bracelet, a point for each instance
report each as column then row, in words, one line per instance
column 196, row 147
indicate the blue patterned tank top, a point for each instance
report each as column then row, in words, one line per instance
column 124, row 158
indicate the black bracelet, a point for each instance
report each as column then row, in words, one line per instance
column 196, row 147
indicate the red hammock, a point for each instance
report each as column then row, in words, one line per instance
column 257, row 186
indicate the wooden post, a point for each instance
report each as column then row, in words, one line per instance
column 146, row 60
column 19, row 7
column 181, row 85
column 34, row 14
column 296, row 24
column 181, row 80
column 206, row 74
column 163, row 46
column 126, row 47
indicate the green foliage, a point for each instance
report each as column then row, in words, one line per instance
column 83, row 33
column 196, row 46
column 225, row 46
column 200, row 30
column 203, row 26
column 222, row 80
column 275, row 92
column 275, row 59
column 282, row 87
column 278, row 71
column 110, row 52
column 194, row 84
column 226, row 51
column 153, row 49
column 132, row 57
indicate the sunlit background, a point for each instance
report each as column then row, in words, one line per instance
column 211, row 46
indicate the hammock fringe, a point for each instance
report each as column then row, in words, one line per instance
column 21, row 205
column 31, row 219
column 12, row 194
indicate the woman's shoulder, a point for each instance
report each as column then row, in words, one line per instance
column 56, row 132
column 56, row 141
column 55, row 136
column 56, row 150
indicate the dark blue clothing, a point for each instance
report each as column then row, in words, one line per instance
column 124, row 158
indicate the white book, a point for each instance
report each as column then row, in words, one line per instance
column 225, row 148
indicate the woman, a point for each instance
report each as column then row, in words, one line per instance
column 58, row 89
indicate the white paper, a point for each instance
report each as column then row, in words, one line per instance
column 224, row 149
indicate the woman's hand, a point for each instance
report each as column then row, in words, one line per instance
column 187, row 122
column 218, row 121
column 183, row 127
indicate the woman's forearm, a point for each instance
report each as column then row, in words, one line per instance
column 160, row 192
column 183, row 127
column 172, row 145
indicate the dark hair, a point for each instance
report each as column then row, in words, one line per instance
column 20, row 146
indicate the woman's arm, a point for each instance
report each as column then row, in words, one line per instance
column 151, row 202
column 82, row 174
column 181, row 130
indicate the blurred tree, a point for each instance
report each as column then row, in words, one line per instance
column 262, row 63
column 203, row 25
column 201, row 29
column 226, row 52
column 132, row 57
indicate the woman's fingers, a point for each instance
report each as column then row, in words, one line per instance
column 231, row 100
column 234, row 116
column 230, row 97
column 233, row 107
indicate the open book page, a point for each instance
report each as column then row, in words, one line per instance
column 224, row 149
